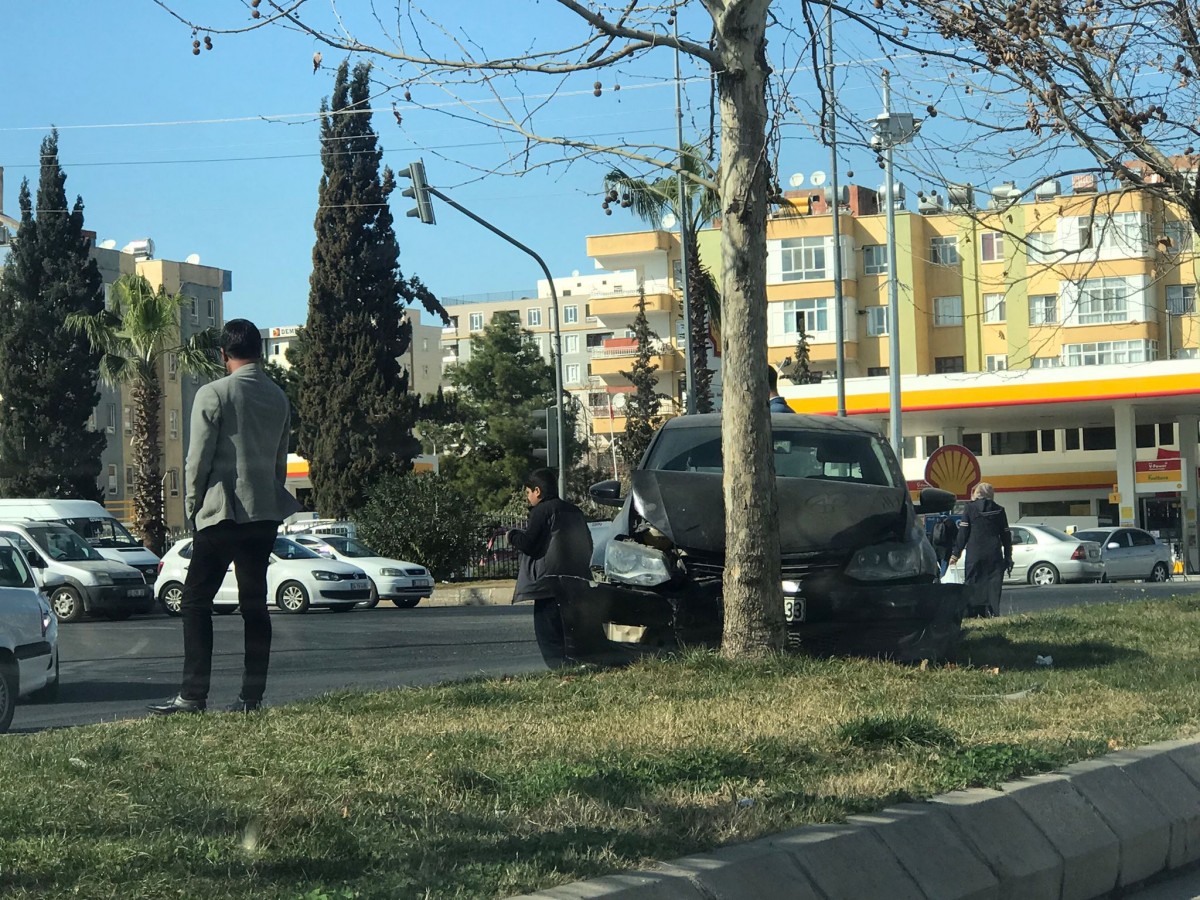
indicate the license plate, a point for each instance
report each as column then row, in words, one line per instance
column 423, row 582
column 794, row 609
column 136, row 592
column 357, row 585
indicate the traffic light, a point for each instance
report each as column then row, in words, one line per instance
column 419, row 191
column 545, row 436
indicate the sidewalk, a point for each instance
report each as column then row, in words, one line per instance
column 1090, row 831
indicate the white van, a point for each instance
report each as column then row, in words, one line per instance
column 93, row 523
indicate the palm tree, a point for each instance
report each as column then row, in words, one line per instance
column 649, row 201
column 135, row 334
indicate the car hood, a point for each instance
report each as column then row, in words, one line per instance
column 814, row 514
column 322, row 564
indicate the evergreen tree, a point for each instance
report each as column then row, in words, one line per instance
column 801, row 372
column 355, row 412
column 48, row 374
column 642, row 416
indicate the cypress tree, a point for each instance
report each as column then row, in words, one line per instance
column 355, row 412
column 642, row 405
column 49, row 373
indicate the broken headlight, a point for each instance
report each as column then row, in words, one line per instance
column 634, row 563
column 892, row 561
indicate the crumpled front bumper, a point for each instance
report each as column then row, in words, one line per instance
column 610, row 623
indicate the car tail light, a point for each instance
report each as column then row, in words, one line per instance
column 1079, row 553
column 160, row 566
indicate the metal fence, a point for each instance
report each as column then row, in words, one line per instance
column 495, row 559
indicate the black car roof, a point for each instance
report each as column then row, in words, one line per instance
column 778, row 420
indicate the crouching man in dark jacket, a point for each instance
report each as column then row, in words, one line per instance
column 555, row 541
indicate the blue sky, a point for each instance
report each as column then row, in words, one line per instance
column 225, row 182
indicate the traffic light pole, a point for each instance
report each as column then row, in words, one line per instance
column 558, row 374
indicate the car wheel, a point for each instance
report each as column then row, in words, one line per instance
column 1160, row 572
column 373, row 600
column 67, row 604
column 172, row 598
column 48, row 693
column 8, row 693
column 1042, row 574
column 406, row 602
column 292, row 597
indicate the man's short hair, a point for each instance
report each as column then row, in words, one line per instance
column 772, row 377
column 240, row 340
column 545, row 480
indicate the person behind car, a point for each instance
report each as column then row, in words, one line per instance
column 983, row 533
column 555, row 541
column 944, row 537
column 777, row 403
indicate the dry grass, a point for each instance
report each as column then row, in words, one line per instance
column 491, row 788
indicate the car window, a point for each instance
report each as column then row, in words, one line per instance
column 799, row 453
column 1142, row 538
column 1021, row 536
column 350, row 547
column 1055, row 533
column 62, row 544
column 19, row 540
column 285, row 549
column 1120, row 537
column 1100, row 537
column 13, row 570
column 186, row 550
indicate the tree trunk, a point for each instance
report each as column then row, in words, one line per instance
column 753, row 593
column 147, row 494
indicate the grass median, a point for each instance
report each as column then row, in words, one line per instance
column 492, row 788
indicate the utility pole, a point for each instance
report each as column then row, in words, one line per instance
column 684, row 231
column 839, row 312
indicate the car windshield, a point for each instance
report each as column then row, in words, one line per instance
column 349, row 547
column 1058, row 535
column 61, row 543
column 102, row 531
column 799, row 453
column 285, row 549
column 1098, row 536
column 13, row 571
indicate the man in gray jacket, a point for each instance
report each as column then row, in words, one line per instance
column 235, row 500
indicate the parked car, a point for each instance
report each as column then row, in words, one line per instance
column 1130, row 553
column 1045, row 555
column 88, row 584
column 297, row 579
column 859, row 575
column 28, row 635
column 405, row 584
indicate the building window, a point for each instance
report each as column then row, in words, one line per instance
column 1187, row 353
column 571, row 343
column 876, row 371
column 476, row 321
column 130, row 476
column 173, row 482
column 813, row 313
column 994, row 308
column 212, row 312
column 112, row 420
column 596, row 339
column 173, row 424
column 533, row 317
column 997, row 363
column 974, row 443
column 453, row 326
column 1071, row 439
column 875, row 259
column 1040, row 245
column 127, row 419
column 541, row 347
column 193, row 310
column 172, row 366
column 1043, row 309
column 570, row 315
column 1103, row 300
column 112, row 479
column 1100, row 438
column 424, row 343
column 1181, row 299
column 1045, row 362
column 945, row 364
column 1179, row 236
column 1103, row 353
column 947, row 311
column 1122, row 232
column 991, row 246
column 803, row 258
column 877, row 321
column 572, row 374
column 932, row 442
column 943, row 251
column 1047, row 439
column 1007, row 443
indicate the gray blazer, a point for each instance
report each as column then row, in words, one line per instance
column 237, row 453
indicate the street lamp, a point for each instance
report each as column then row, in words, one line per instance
column 891, row 129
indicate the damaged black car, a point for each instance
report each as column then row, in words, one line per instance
column 859, row 575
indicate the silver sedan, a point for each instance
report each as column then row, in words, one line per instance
column 1131, row 553
column 1044, row 555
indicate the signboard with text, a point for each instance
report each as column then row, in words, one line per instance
column 1155, row 475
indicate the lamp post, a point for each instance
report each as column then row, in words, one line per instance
column 891, row 129
column 685, row 228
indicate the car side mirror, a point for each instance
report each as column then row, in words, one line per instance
column 935, row 500
column 607, row 493
column 1113, row 545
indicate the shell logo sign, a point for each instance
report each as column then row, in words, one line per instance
column 953, row 468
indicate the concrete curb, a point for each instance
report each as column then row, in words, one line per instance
column 1094, row 828
column 490, row 594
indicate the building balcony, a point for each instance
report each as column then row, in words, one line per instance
column 608, row 361
column 623, row 300
column 628, row 244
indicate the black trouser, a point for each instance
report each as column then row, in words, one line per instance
column 248, row 547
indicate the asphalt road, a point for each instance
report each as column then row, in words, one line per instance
column 111, row 670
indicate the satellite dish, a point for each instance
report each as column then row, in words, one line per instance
column 618, row 401
column 668, row 221
column 817, row 178
column 796, row 180
column 193, row 259
column 574, row 273
column 109, row 244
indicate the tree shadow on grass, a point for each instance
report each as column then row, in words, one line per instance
column 999, row 650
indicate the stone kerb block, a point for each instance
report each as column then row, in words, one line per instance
column 755, row 870
column 1089, row 848
column 927, row 844
column 994, row 826
column 661, row 883
column 1141, row 826
column 1158, row 773
column 853, row 863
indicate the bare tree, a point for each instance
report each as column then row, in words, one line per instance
column 429, row 54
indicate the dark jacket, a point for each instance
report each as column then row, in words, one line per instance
column 555, row 541
column 983, row 533
column 779, row 405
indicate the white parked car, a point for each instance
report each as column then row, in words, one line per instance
column 404, row 583
column 28, row 635
column 297, row 579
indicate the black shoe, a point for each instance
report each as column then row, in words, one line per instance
column 177, row 705
column 244, row 706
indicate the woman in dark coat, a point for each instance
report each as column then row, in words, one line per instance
column 983, row 533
